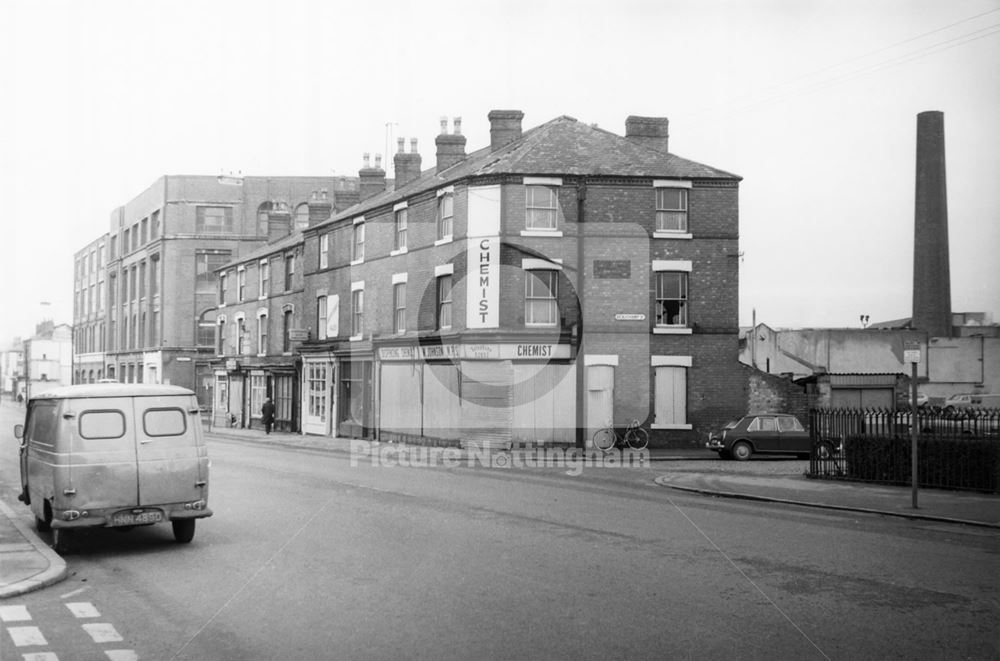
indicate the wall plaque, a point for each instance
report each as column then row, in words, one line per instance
column 618, row 269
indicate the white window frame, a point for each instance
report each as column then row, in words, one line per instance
column 553, row 184
column 531, row 268
column 262, row 332
column 671, row 234
column 322, row 310
column 358, row 241
column 400, row 214
column 324, row 250
column 357, row 311
column 241, row 284
column 442, row 305
column 672, row 266
column 445, row 195
column 263, row 278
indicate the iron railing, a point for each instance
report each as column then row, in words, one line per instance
column 960, row 451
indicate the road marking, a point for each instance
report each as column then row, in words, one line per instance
column 14, row 614
column 41, row 656
column 72, row 594
column 25, row 636
column 122, row 655
column 82, row 609
column 103, row 632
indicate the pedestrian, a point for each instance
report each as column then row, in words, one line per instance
column 267, row 415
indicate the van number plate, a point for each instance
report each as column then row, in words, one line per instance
column 130, row 518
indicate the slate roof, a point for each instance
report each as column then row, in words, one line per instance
column 562, row 146
column 263, row 251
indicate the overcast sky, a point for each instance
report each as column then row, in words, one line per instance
column 814, row 103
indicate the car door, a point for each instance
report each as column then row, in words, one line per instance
column 171, row 461
column 765, row 434
column 794, row 437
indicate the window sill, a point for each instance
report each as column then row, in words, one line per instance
column 671, row 426
column 542, row 233
column 661, row 330
column 441, row 242
column 356, row 338
column 401, row 251
column 356, row 262
column 659, row 234
column 262, row 298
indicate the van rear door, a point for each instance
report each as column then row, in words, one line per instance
column 172, row 462
column 100, row 467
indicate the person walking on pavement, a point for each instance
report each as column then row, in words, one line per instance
column 267, row 415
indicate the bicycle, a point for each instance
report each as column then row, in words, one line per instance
column 634, row 437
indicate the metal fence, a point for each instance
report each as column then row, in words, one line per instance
column 955, row 451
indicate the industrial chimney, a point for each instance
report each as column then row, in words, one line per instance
column 931, row 273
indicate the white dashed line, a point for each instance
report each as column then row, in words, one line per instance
column 82, row 609
column 122, row 655
column 14, row 614
column 26, row 636
column 41, row 656
column 103, row 632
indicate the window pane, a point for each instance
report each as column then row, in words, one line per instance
column 164, row 422
column 102, row 424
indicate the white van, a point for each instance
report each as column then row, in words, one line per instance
column 114, row 455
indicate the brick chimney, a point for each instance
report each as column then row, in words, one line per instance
column 450, row 147
column 279, row 221
column 931, row 270
column 650, row 131
column 505, row 127
column 407, row 165
column 371, row 179
column 345, row 194
column 320, row 207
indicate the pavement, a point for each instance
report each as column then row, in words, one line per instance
column 27, row 563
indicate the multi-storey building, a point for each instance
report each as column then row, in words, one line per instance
column 164, row 248
column 259, row 324
column 12, row 369
column 556, row 281
column 89, row 311
column 48, row 358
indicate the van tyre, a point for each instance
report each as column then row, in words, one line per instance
column 60, row 540
column 183, row 530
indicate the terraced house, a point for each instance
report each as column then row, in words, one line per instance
column 557, row 280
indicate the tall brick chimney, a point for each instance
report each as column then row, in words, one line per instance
column 407, row 165
column 505, row 127
column 654, row 132
column 450, row 147
column 320, row 207
column 371, row 180
column 931, row 270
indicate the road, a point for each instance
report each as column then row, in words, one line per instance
column 311, row 557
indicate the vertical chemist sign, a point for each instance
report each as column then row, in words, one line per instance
column 482, row 285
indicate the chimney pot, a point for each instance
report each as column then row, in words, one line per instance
column 367, row 159
column 400, row 144
column 378, row 161
column 444, row 125
column 413, row 145
column 458, row 125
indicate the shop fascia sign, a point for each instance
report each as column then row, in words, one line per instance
column 480, row 351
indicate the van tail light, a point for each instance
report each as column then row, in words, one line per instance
column 71, row 515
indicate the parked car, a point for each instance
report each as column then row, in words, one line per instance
column 957, row 403
column 922, row 400
column 771, row 433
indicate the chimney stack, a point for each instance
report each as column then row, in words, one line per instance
column 931, row 271
column 650, row 131
column 371, row 180
column 505, row 127
column 407, row 165
column 320, row 207
column 450, row 147
column 279, row 221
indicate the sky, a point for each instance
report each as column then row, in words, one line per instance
column 812, row 102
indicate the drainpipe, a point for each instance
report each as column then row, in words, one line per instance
column 581, row 398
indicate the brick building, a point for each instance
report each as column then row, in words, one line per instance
column 556, row 281
column 258, row 321
column 164, row 247
column 89, row 311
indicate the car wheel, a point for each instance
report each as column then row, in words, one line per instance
column 183, row 530
column 742, row 451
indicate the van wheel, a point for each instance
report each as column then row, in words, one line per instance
column 41, row 525
column 183, row 530
column 60, row 540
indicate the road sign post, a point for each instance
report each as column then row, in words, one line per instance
column 911, row 353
